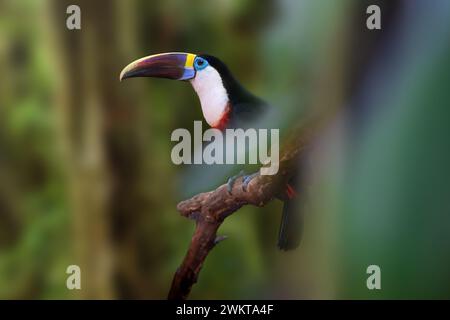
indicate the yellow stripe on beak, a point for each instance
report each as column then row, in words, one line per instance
column 190, row 60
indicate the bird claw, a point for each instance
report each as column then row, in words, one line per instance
column 247, row 180
column 220, row 239
column 233, row 179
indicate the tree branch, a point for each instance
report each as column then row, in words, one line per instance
column 210, row 209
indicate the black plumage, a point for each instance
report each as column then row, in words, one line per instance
column 245, row 112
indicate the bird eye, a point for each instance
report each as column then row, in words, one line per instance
column 200, row 63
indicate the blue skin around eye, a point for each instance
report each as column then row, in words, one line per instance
column 203, row 63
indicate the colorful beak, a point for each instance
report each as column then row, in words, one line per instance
column 172, row 65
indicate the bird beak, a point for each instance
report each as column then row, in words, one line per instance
column 172, row 65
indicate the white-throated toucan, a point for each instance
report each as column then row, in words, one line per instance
column 225, row 104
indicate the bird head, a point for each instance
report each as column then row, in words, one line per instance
column 209, row 77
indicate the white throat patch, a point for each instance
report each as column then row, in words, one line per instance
column 213, row 96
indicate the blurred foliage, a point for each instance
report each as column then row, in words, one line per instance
column 85, row 170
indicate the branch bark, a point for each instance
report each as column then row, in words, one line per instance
column 210, row 209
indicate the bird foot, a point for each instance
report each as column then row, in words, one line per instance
column 233, row 179
column 245, row 180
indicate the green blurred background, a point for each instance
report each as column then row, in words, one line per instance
column 85, row 170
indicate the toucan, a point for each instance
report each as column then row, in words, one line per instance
column 225, row 104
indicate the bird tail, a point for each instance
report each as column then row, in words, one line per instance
column 291, row 225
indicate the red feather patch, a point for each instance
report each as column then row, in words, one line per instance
column 222, row 124
column 290, row 191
